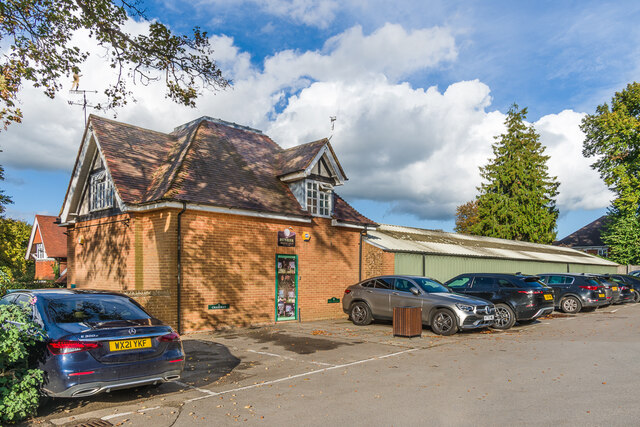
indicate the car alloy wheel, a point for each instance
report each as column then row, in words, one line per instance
column 444, row 322
column 570, row 305
column 361, row 314
column 505, row 317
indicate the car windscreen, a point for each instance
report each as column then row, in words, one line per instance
column 93, row 309
column 430, row 286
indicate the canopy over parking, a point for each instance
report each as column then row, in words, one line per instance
column 442, row 255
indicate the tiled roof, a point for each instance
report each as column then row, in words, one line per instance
column 589, row 235
column 298, row 158
column 343, row 212
column 53, row 237
column 207, row 162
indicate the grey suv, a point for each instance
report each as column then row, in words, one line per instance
column 443, row 310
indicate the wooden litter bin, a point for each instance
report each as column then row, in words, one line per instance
column 407, row 321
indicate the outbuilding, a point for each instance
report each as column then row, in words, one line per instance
column 391, row 249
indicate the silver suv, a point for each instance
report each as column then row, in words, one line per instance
column 443, row 310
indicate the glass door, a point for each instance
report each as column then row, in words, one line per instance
column 286, row 287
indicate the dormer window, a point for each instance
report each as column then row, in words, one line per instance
column 101, row 192
column 318, row 198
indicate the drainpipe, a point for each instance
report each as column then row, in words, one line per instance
column 362, row 234
column 179, row 267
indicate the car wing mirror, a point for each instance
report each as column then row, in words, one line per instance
column 415, row 291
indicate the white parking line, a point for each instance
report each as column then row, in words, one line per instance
column 291, row 377
column 290, row 358
column 201, row 390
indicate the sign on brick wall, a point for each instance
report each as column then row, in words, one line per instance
column 218, row 306
column 286, row 238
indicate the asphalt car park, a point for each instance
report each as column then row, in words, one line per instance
column 560, row 370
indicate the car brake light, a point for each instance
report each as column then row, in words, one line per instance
column 176, row 360
column 66, row 347
column 530, row 292
column 75, row 374
column 623, row 288
column 589, row 287
column 172, row 337
column 347, row 291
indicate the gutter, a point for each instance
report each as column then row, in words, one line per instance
column 179, row 268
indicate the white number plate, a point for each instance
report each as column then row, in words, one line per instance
column 489, row 317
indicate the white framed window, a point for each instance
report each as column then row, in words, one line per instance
column 318, row 199
column 101, row 192
column 40, row 253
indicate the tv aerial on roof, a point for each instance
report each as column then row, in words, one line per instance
column 76, row 91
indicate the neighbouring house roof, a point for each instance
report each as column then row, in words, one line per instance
column 589, row 235
column 46, row 230
column 206, row 162
column 394, row 238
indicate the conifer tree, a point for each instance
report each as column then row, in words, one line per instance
column 517, row 197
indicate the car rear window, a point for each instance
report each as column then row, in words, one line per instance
column 93, row 309
column 532, row 283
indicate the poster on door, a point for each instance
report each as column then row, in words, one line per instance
column 286, row 287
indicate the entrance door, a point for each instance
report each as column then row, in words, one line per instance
column 286, row 287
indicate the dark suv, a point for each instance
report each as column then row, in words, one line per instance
column 516, row 297
column 605, row 279
column 574, row 292
column 628, row 285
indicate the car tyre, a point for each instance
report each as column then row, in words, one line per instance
column 570, row 305
column 360, row 314
column 505, row 317
column 636, row 296
column 444, row 322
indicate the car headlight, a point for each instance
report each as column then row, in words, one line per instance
column 465, row 307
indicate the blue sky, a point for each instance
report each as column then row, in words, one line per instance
column 419, row 88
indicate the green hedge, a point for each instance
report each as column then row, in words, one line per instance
column 20, row 381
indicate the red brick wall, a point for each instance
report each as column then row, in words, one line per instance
column 230, row 259
column 135, row 257
column 44, row 270
column 376, row 262
column 226, row 259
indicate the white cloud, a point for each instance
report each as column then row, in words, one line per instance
column 418, row 148
column 580, row 186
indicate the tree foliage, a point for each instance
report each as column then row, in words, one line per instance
column 466, row 217
column 19, row 380
column 4, row 200
column 612, row 137
column 517, row 197
column 14, row 238
column 40, row 32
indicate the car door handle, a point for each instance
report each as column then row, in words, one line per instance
column 394, row 293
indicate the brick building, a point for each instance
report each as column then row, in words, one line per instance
column 48, row 247
column 211, row 225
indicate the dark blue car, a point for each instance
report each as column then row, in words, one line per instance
column 99, row 341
